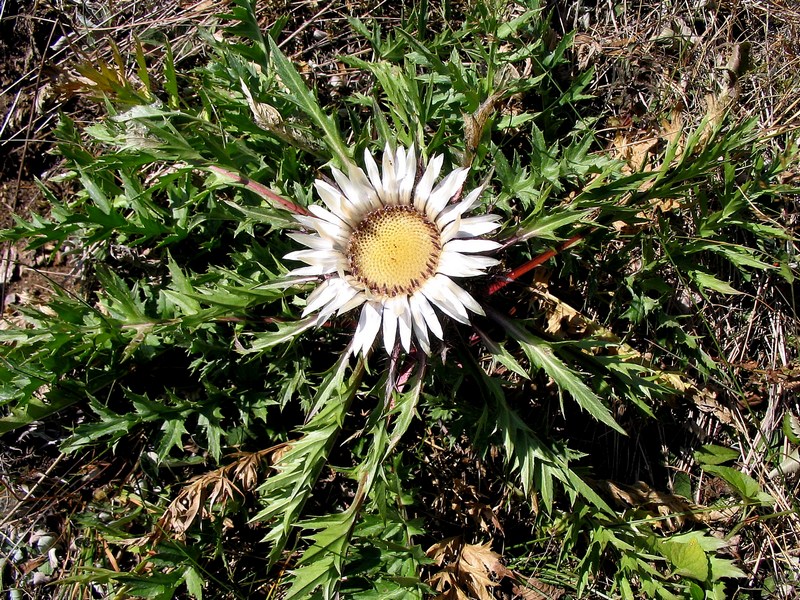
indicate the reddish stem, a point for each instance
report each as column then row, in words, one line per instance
column 261, row 190
column 532, row 264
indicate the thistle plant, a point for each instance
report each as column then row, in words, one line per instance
column 392, row 243
column 496, row 287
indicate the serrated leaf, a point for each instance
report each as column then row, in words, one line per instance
column 182, row 288
column 542, row 356
column 533, row 461
column 265, row 215
column 503, row 356
column 545, row 226
column 791, row 427
column 285, row 333
column 723, row 567
column 285, row 492
column 321, row 564
column 32, row 410
column 300, row 95
column 174, row 430
column 706, row 281
column 738, row 255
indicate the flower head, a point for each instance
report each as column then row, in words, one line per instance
column 391, row 242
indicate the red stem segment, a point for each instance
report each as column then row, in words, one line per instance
column 532, row 264
column 260, row 189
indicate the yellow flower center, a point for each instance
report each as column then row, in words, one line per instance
column 394, row 250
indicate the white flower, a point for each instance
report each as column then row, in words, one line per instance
column 392, row 243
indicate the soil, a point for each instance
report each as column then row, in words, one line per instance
column 25, row 275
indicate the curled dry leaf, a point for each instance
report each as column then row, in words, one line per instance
column 673, row 510
column 213, row 489
column 467, row 500
column 533, row 589
column 468, row 571
column 484, row 517
column 474, row 571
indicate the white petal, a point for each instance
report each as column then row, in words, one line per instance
column 420, row 307
column 423, row 339
column 404, row 322
column 328, row 230
column 446, row 189
column 459, row 265
column 450, row 231
column 420, row 331
column 346, row 293
column 346, row 298
column 357, row 300
column 463, row 296
column 448, row 215
column 332, row 294
column 311, row 241
column 330, row 195
column 409, row 174
column 472, row 199
column 400, row 163
column 357, row 194
column 478, row 263
column 451, row 212
column 326, row 215
column 316, row 257
column 425, row 183
column 389, row 326
column 313, row 256
column 358, row 177
column 321, row 294
column 374, row 173
column 471, row 245
column 418, row 321
column 369, row 323
column 480, row 225
column 320, row 261
column 440, row 296
column 312, row 270
column 389, row 176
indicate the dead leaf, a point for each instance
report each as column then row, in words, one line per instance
column 706, row 401
column 469, row 571
column 209, row 490
column 473, row 571
column 9, row 268
column 534, row 589
column 484, row 517
column 673, row 510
